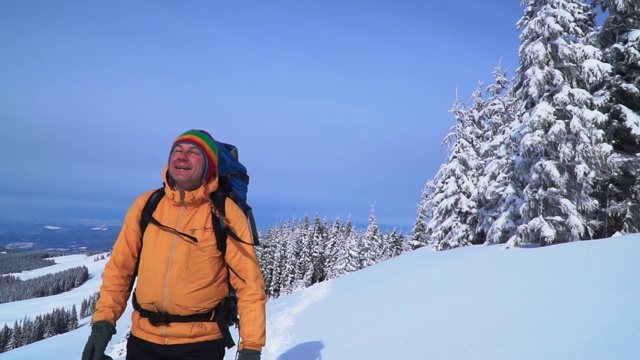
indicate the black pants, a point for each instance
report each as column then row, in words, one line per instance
column 138, row 349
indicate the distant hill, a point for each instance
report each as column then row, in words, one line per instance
column 48, row 236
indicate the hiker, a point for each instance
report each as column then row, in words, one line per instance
column 182, row 276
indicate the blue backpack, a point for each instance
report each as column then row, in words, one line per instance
column 233, row 182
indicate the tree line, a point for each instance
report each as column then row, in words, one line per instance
column 14, row 289
column 59, row 321
column 551, row 155
column 16, row 262
column 28, row 331
column 297, row 254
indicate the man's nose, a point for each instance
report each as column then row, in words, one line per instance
column 182, row 156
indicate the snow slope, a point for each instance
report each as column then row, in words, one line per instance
column 571, row 301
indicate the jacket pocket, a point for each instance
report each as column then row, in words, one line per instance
column 203, row 260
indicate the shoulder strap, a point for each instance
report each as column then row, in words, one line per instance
column 226, row 313
column 219, row 200
column 148, row 209
column 146, row 216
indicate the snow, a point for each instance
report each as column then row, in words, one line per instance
column 569, row 301
column 633, row 36
column 632, row 120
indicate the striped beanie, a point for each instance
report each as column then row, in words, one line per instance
column 205, row 143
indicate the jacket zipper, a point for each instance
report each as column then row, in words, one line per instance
column 173, row 250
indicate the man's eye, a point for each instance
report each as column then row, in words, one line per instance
column 194, row 152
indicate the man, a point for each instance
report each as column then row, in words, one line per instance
column 181, row 271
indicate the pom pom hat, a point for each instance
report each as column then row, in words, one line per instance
column 207, row 146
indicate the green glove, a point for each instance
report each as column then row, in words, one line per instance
column 101, row 333
column 248, row 354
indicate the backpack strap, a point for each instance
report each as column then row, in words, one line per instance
column 145, row 217
column 248, row 210
column 227, row 310
column 149, row 208
column 218, row 199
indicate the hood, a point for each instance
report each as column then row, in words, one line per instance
column 190, row 197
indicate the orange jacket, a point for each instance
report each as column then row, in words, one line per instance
column 181, row 277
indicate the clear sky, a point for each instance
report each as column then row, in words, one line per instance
column 336, row 106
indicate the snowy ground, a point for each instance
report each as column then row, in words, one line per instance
column 571, row 301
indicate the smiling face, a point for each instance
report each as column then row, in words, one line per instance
column 186, row 166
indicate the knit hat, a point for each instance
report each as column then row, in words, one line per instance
column 205, row 143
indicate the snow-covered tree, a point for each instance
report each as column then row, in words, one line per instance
column 348, row 258
column 451, row 198
column 561, row 143
column 419, row 238
column 371, row 242
column 499, row 199
column 394, row 243
column 318, row 243
column 335, row 241
column 619, row 36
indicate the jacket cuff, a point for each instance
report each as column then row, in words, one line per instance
column 249, row 345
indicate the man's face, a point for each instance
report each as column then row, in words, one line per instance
column 186, row 166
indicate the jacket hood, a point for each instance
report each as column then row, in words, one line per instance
column 190, row 197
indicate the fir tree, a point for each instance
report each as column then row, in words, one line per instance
column 372, row 244
column 346, row 253
column 560, row 139
column 620, row 38
column 395, row 243
column 318, row 244
column 499, row 199
column 335, row 242
column 419, row 230
column 452, row 194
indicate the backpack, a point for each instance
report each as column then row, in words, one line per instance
column 233, row 182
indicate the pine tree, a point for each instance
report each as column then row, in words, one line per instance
column 319, row 239
column 346, row 253
column 73, row 319
column 335, row 241
column 303, row 245
column 5, row 338
column 560, row 139
column 419, row 230
column 394, row 243
column 372, row 243
column 499, row 200
column 452, row 194
column 351, row 259
column 290, row 270
column 279, row 248
column 17, row 337
column 620, row 38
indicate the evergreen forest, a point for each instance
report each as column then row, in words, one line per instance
column 549, row 155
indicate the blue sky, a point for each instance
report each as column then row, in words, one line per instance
column 336, row 106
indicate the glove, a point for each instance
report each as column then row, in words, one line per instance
column 248, row 354
column 101, row 333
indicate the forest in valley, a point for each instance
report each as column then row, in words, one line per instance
column 12, row 288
